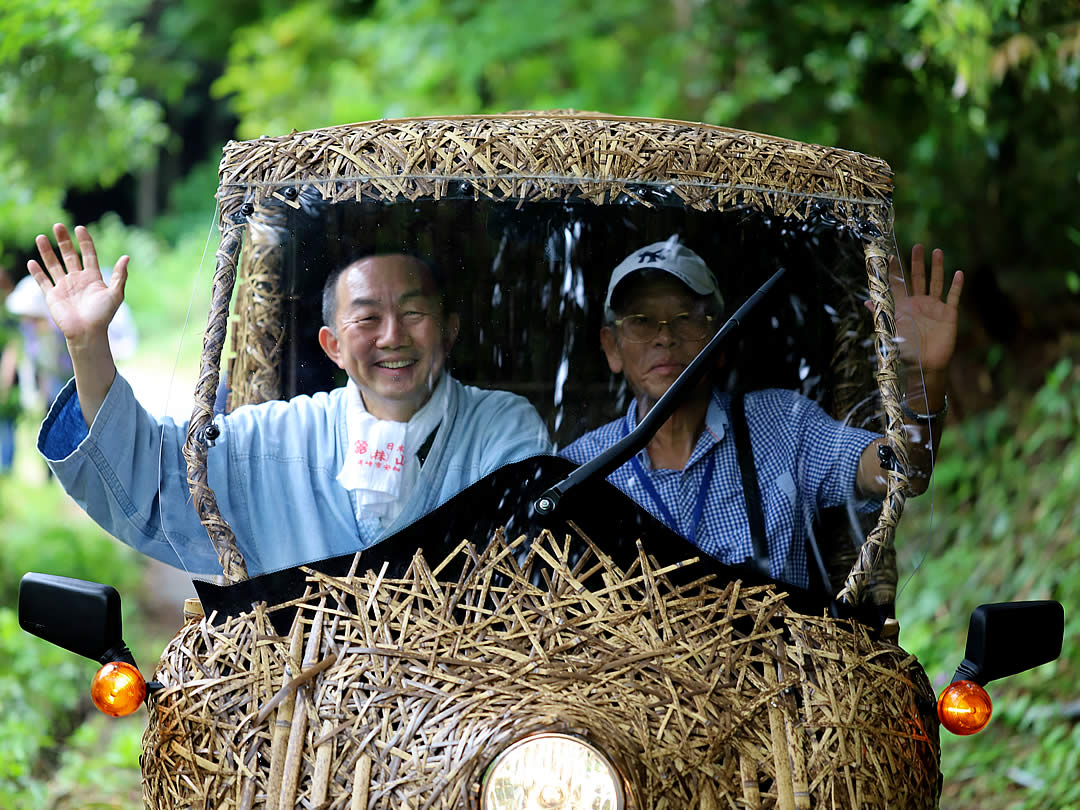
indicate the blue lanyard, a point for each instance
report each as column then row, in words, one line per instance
column 665, row 513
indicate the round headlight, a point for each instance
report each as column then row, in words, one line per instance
column 551, row 772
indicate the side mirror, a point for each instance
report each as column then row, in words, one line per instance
column 79, row 616
column 1010, row 637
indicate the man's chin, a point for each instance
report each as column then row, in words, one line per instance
column 651, row 394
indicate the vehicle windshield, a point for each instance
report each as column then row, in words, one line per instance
column 465, row 333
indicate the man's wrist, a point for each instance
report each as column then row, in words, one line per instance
column 88, row 344
column 925, row 391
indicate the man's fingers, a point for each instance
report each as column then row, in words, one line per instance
column 119, row 274
column 86, row 247
column 918, row 271
column 37, row 272
column 937, row 273
column 955, row 289
column 52, row 264
column 66, row 248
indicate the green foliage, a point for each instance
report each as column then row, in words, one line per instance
column 972, row 102
column 44, row 530
column 99, row 766
column 320, row 64
column 190, row 210
column 43, row 688
column 39, row 685
column 1003, row 525
column 71, row 115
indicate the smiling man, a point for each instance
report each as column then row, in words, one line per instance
column 384, row 325
column 698, row 474
column 298, row 481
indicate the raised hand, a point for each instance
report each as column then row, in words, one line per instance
column 925, row 323
column 926, row 335
column 82, row 305
column 79, row 300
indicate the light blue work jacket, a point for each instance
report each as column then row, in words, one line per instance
column 273, row 470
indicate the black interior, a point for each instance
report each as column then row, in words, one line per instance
column 529, row 282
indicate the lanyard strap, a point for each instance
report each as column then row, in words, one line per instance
column 665, row 514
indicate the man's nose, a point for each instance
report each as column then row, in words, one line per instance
column 391, row 332
column 665, row 335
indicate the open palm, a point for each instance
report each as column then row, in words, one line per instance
column 79, row 300
column 926, row 324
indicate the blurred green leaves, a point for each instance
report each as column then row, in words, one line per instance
column 1003, row 524
column 43, row 689
column 70, row 110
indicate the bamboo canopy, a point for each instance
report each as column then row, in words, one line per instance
column 524, row 156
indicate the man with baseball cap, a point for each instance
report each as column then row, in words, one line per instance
column 663, row 305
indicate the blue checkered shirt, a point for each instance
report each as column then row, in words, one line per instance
column 804, row 459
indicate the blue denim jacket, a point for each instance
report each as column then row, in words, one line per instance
column 273, row 470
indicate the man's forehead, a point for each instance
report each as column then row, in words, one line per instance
column 396, row 275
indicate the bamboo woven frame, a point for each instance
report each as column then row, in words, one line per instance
column 524, row 157
column 201, row 428
column 397, row 693
column 255, row 370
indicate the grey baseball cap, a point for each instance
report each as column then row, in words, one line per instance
column 670, row 257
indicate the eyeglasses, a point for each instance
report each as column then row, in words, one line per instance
column 684, row 326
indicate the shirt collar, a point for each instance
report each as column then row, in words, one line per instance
column 716, row 425
column 424, row 420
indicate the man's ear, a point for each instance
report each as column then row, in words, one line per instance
column 329, row 342
column 450, row 331
column 611, row 349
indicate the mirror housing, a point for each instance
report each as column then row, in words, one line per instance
column 1005, row 638
column 80, row 616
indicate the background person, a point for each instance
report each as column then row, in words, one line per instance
column 45, row 364
column 10, row 406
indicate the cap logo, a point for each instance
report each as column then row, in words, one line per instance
column 650, row 255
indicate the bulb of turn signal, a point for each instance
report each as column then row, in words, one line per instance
column 964, row 708
column 118, row 689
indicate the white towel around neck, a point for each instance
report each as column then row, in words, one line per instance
column 381, row 467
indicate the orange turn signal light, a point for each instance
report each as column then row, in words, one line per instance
column 118, row 689
column 964, row 708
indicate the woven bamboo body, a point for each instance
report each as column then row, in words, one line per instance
column 397, row 692
column 705, row 695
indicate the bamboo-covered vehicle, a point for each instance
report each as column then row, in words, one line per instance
column 538, row 639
